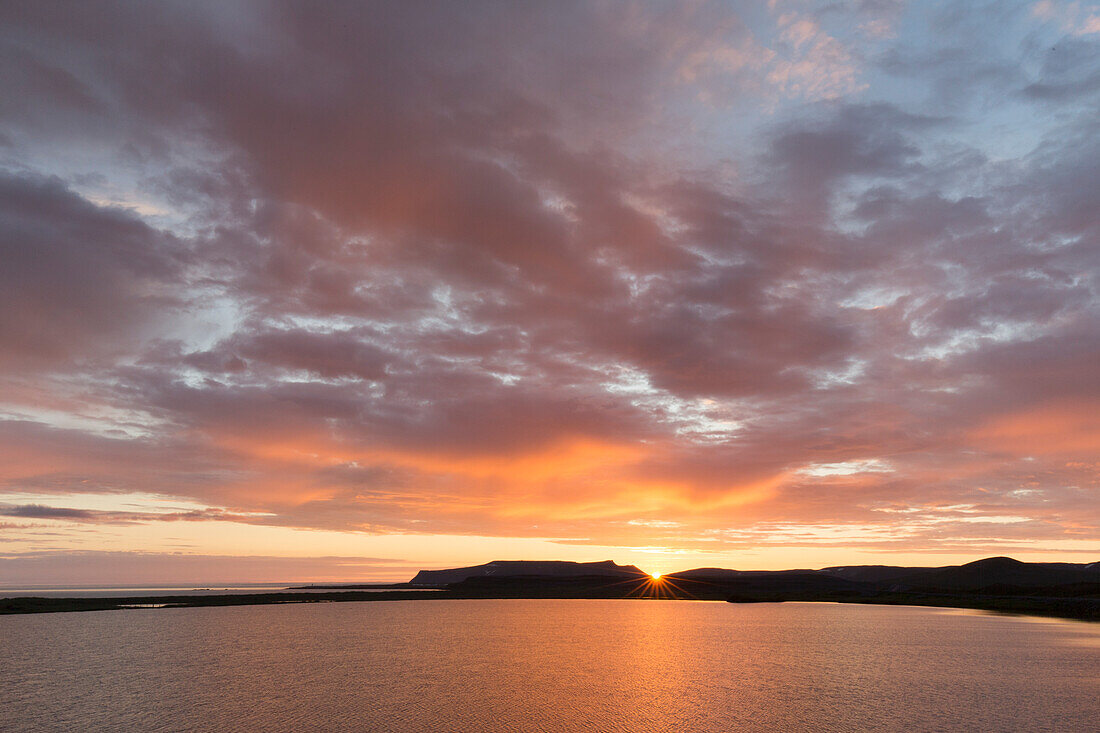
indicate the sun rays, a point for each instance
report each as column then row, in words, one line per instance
column 656, row 586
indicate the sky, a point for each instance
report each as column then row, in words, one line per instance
column 339, row 291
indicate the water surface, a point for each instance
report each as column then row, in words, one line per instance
column 548, row 665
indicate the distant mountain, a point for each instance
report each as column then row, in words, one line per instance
column 993, row 576
column 706, row 582
column 875, row 573
column 722, row 574
column 712, row 574
column 1002, row 572
column 999, row 572
column 527, row 568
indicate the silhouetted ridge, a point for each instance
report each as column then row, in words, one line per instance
column 528, row 568
column 998, row 572
column 1068, row 590
column 874, row 573
column 995, row 564
column 705, row 574
column 1002, row 572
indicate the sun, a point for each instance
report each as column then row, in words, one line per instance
column 656, row 576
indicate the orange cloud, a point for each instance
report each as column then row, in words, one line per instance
column 1065, row 428
column 571, row 478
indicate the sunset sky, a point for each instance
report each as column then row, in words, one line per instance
column 337, row 291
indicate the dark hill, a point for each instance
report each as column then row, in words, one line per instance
column 744, row 582
column 722, row 574
column 1003, row 572
column 713, row 574
column 996, row 576
column 527, row 568
column 875, row 573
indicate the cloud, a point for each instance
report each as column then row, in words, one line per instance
column 455, row 270
column 38, row 511
column 130, row 569
column 816, row 66
column 1071, row 16
column 77, row 278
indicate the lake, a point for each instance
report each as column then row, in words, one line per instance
column 548, row 665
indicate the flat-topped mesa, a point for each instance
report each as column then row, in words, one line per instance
column 533, row 568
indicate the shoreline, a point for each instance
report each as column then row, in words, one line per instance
column 1077, row 609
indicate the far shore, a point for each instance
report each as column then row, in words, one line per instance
column 1083, row 609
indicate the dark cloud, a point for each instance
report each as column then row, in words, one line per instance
column 77, row 278
column 38, row 511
